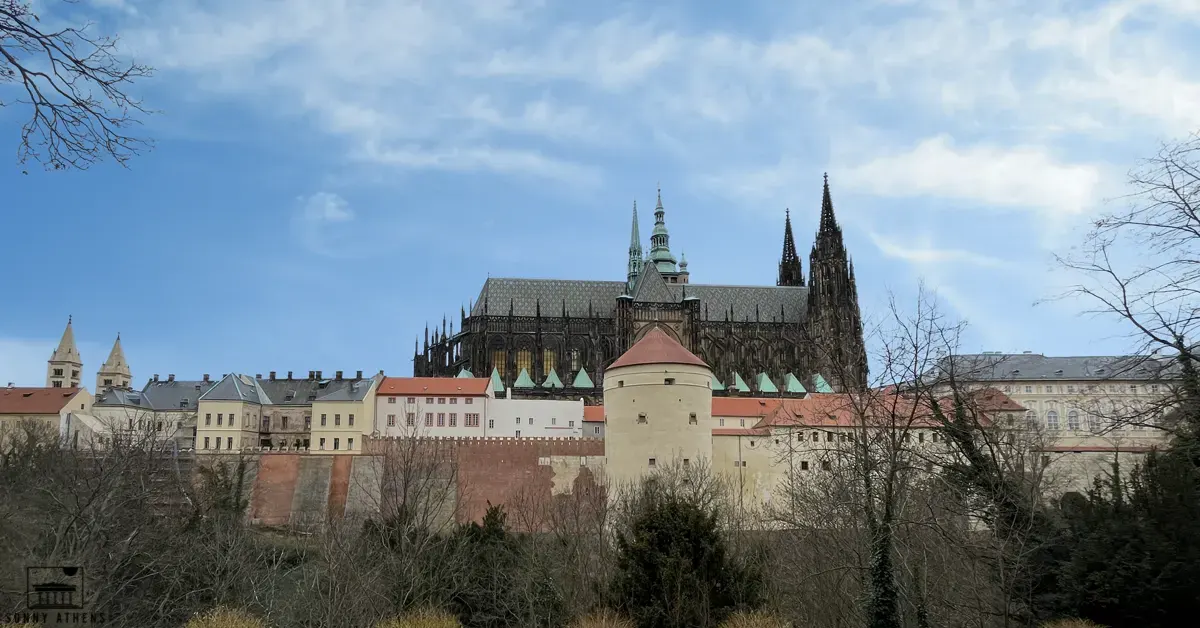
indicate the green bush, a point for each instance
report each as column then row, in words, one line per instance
column 603, row 619
column 426, row 618
column 755, row 619
column 226, row 618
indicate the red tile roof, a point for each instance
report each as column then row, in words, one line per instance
column 593, row 414
column 465, row 386
column 656, row 347
column 34, row 400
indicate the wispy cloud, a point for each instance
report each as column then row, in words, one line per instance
column 924, row 254
column 322, row 222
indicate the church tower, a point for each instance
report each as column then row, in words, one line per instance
column 660, row 249
column 115, row 372
column 834, row 321
column 790, row 273
column 635, row 254
column 65, row 365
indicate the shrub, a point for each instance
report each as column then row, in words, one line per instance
column 425, row 618
column 603, row 619
column 756, row 619
column 226, row 618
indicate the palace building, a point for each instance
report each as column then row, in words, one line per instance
column 556, row 337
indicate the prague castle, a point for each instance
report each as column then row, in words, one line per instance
column 558, row 338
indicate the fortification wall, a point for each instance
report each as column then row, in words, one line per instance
column 306, row 489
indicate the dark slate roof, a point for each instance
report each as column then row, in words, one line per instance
column 301, row 392
column 237, row 387
column 1025, row 366
column 159, row 395
column 652, row 288
column 715, row 300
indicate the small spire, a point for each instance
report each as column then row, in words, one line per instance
column 828, row 221
column 659, row 205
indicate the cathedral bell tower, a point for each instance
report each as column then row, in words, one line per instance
column 834, row 321
column 115, row 371
column 65, row 365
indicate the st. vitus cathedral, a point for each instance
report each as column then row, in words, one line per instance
column 555, row 337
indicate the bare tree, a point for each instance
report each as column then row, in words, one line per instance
column 1140, row 263
column 76, row 83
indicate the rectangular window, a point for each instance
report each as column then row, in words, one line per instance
column 553, row 420
column 453, row 400
column 518, row 420
column 668, row 381
column 323, row 421
column 652, row 463
column 229, row 442
column 285, row 422
column 410, row 419
column 742, row 422
column 391, row 400
column 1070, row 389
column 692, row 419
column 307, row 422
column 206, row 442
column 1133, row 388
column 1153, row 388
column 468, row 401
column 804, row 465
column 596, row 429
column 220, row 418
column 350, row 444
column 518, row 433
column 218, row 443
column 1028, row 389
column 1049, row 389
column 721, row 422
column 350, row 420
column 642, row 417
column 441, row 400
column 491, row 423
column 829, row 437
column 453, row 419
column 391, row 420
column 266, row 423
column 429, row 400
column 428, row 419
column 531, row 420
column 207, row 421
column 337, row 419
column 920, row 437
column 441, row 419
column 570, row 424
column 412, row 400
column 335, row 443
column 322, row 445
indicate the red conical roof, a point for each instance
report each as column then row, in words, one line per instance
column 657, row 347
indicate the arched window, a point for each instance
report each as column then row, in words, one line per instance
column 1073, row 420
column 1052, row 420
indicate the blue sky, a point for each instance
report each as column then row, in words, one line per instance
column 330, row 175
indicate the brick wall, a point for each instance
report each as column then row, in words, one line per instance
column 299, row 489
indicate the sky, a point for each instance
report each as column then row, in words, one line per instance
column 329, row 176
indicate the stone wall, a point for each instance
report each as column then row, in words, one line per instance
column 306, row 489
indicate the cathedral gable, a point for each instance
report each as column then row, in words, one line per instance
column 652, row 288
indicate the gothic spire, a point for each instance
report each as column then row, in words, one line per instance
column 790, row 273
column 635, row 253
column 828, row 221
column 66, row 351
column 64, row 364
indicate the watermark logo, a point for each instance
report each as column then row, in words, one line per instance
column 53, row 588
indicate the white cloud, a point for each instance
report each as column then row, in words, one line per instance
column 323, row 224
column 922, row 253
column 1019, row 176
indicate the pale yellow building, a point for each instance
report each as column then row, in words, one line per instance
column 344, row 416
column 65, row 367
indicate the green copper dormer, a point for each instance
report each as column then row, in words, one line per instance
column 660, row 249
column 792, row 384
column 524, row 380
column 820, row 385
column 552, row 381
column 716, row 384
column 739, row 384
column 582, row 380
column 765, row 385
column 464, row 373
column 497, row 383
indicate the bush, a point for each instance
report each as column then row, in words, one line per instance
column 426, row 618
column 226, row 618
column 756, row 619
column 603, row 619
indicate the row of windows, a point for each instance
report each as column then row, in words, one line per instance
column 441, row 400
column 1073, row 422
column 1071, row 388
column 221, row 419
column 209, row 443
column 337, row 420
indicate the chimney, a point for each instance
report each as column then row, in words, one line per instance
column 156, row 377
column 312, row 374
column 318, row 374
column 258, row 376
column 338, row 375
column 289, row 375
column 272, row 375
column 206, row 377
column 170, row 377
column 358, row 375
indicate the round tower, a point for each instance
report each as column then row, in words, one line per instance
column 658, row 409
